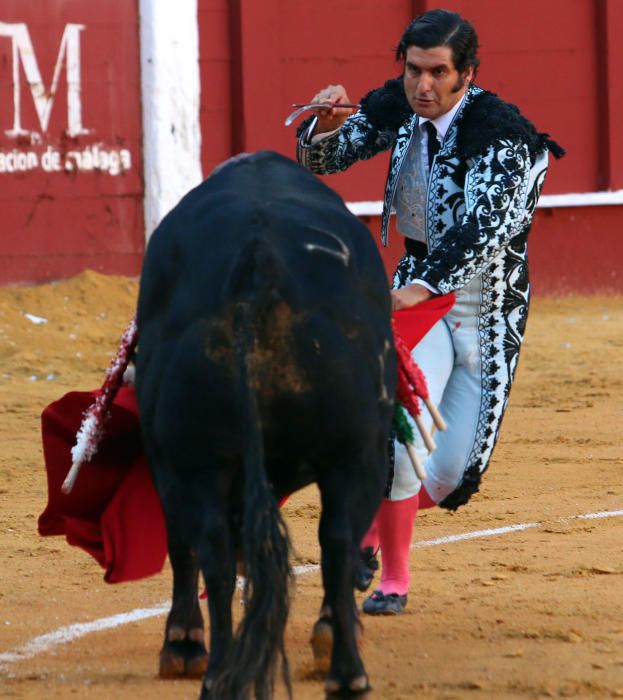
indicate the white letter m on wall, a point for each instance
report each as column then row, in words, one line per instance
column 69, row 51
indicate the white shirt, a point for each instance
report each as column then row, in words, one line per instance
column 442, row 124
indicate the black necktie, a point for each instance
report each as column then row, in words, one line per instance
column 433, row 143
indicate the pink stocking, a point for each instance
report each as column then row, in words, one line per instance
column 395, row 528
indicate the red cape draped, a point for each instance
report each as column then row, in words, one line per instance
column 113, row 511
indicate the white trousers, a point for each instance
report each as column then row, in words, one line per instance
column 450, row 359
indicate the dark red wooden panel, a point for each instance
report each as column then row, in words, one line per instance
column 611, row 70
column 75, row 200
column 215, row 64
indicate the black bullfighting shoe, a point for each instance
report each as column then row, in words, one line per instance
column 380, row 603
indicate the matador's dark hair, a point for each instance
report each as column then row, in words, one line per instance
column 443, row 28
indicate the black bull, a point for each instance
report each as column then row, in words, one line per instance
column 265, row 363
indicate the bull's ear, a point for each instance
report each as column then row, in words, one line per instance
column 230, row 161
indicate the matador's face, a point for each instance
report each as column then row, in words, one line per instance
column 432, row 84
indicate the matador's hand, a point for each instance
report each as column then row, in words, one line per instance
column 410, row 295
column 331, row 119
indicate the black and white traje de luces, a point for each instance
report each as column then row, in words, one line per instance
column 482, row 192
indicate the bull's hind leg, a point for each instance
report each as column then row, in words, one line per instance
column 346, row 676
column 183, row 651
column 218, row 564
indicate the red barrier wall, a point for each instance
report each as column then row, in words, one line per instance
column 64, row 210
column 71, row 185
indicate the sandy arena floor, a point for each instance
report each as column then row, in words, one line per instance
column 528, row 613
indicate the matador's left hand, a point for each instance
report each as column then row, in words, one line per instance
column 410, row 295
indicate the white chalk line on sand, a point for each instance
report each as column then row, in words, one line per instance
column 62, row 635
column 70, row 633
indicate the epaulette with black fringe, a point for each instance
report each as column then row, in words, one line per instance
column 386, row 108
column 487, row 118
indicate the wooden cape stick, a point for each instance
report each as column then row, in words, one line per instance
column 418, row 465
column 426, row 436
column 439, row 422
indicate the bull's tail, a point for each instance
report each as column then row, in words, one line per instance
column 259, row 641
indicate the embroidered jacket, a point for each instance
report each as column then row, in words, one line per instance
column 483, row 188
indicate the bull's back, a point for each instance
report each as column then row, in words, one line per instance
column 196, row 259
column 265, row 234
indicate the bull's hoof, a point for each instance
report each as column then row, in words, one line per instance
column 196, row 666
column 365, row 568
column 322, row 644
column 184, row 659
column 357, row 686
